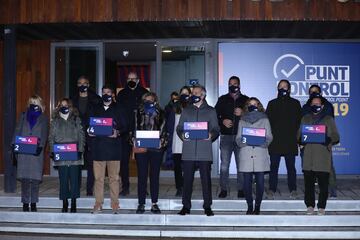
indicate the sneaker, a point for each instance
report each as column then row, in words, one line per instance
column 140, row 209
column 115, row 208
column 208, row 212
column 97, row 208
column 178, row 193
column 241, row 194
column 293, row 195
column 321, row 211
column 222, row 194
column 155, row 209
column 184, row 211
column 310, row 211
column 270, row 195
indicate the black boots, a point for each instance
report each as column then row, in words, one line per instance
column 26, row 207
column 65, row 206
column 250, row 210
column 257, row 210
column 33, row 207
column 73, row 205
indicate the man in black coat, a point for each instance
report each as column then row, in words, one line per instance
column 229, row 108
column 284, row 114
column 315, row 91
column 129, row 99
column 85, row 101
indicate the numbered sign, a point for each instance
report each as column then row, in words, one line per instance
column 147, row 139
column 101, row 126
column 313, row 133
column 253, row 136
column 196, row 130
column 26, row 145
column 65, row 152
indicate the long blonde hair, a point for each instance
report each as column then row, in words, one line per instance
column 36, row 99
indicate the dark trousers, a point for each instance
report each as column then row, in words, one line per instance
column 274, row 169
column 205, row 175
column 124, row 163
column 69, row 182
column 144, row 161
column 90, row 172
column 323, row 182
column 29, row 190
column 179, row 181
column 248, row 180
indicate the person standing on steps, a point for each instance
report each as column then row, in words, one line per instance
column 229, row 108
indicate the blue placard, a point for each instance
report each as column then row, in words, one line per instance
column 313, row 133
column 26, row 145
column 65, row 152
column 253, row 136
column 196, row 130
column 147, row 139
column 101, row 126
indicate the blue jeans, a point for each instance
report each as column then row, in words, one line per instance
column 227, row 147
column 248, row 180
column 274, row 169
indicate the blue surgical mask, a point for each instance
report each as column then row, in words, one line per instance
column 316, row 108
column 106, row 98
column 195, row 99
column 34, row 108
column 83, row 88
column 234, row 89
column 282, row 92
column 252, row 108
column 149, row 107
column 64, row 110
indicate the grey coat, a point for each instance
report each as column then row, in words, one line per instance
column 198, row 150
column 67, row 131
column 254, row 158
column 30, row 166
column 317, row 157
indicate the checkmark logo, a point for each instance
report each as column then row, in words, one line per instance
column 289, row 73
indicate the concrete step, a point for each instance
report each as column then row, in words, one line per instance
column 175, row 204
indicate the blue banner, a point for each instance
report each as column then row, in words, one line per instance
column 335, row 67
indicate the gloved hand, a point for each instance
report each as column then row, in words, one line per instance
column 38, row 151
column 52, row 155
column 80, row 155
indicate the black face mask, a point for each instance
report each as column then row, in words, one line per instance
column 283, row 92
column 252, row 108
column 195, row 99
column 34, row 108
column 132, row 84
column 106, row 98
column 316, row 109
column 64, row 110
column 234, row 89
column 184, row 98
column 83, row 88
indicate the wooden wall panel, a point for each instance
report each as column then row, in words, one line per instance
column 1, row 109
column 33, row 76
column 51, row 11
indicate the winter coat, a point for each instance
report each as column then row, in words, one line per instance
column 225, row 107
column 67, row 131
column 130, row 101
column 317, row 157
column 284, row 114
column 104, row 148
column 198, row 150
column 30, row 166
column 254, row 158
column 158, row 123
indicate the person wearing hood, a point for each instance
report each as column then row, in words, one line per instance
column 229, row 108
column 198, row 152
column 129, row 99
column 284, row 113
column 84, row 101
column 317, row 157
column 315, row 91
column 254, row 160
column 66, row 127
column 33, row 122
column 106, row 150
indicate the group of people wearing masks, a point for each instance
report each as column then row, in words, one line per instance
column 136, row 109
